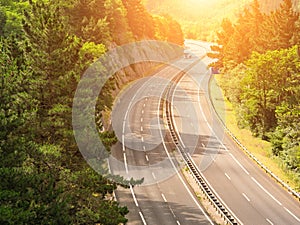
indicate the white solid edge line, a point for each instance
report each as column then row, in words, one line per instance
column 133, row 195
column 243, row 168
column 178, row 174
column 123, row 146
column 123, row 141
column 221, row 200
column 125, row 162
column 205, row 119
column 142, row 217
column 278, row 202
column 123, row 131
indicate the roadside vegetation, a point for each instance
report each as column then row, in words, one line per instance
column 45, row 46
column 259, row 58
column 200, row 19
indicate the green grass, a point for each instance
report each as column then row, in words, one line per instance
column 262, row 150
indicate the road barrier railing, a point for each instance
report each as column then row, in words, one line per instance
column 197, row 175
column 234, row 138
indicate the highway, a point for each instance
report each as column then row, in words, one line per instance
column 146, row 150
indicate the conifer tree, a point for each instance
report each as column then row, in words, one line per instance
column 281, row 26
column 222, row 52
column 116, row 15
column 139, row 20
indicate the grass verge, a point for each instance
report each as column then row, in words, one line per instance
column 260, row 148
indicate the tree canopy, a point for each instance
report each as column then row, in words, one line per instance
column 259, row 56
column 45, row 48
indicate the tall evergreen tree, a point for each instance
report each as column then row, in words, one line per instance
column 139, row 20
column 89, row 22
column 26, row 192
column 116, row 15
column 55, row 55
column 281, row 26
column 223, row 51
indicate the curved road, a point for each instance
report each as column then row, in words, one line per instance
column 146, row 151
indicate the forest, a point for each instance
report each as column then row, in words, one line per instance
column 200, row 19
column 259, row 57
column 47, row 45
column 45, row 48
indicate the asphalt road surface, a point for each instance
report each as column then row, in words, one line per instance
column 145, row 150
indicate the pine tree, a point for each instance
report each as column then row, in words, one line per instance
column 3, row 19
column 26, row 194
column 139, row 20
column 296, row 37
column 116, row 15
column 282, row 26
column 175, row 34
column 89, row 22
column 53, row 55
column 223, row 51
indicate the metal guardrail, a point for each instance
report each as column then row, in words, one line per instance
column 204, row 186
column 266, row 169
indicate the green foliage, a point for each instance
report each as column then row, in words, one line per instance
column 255, row 31
column 280, row 26
column 108, row 139
column 44, row 179
column 265, row 92
column 261, row 96
column 261, row 78
column 11, row 17
column 117, row 16
column 3, row 19
column 223, row 51
column 141, row 28
column 296, row 37
column 90, row 51
column 88, row 21
column 23, row 179
column 45, row 48
column 231, row 83
column 167, row 29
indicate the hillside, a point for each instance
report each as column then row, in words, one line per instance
column 201, row 19
column 269, row 5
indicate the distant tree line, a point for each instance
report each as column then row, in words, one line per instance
column 45, row 46
column 259, row 56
